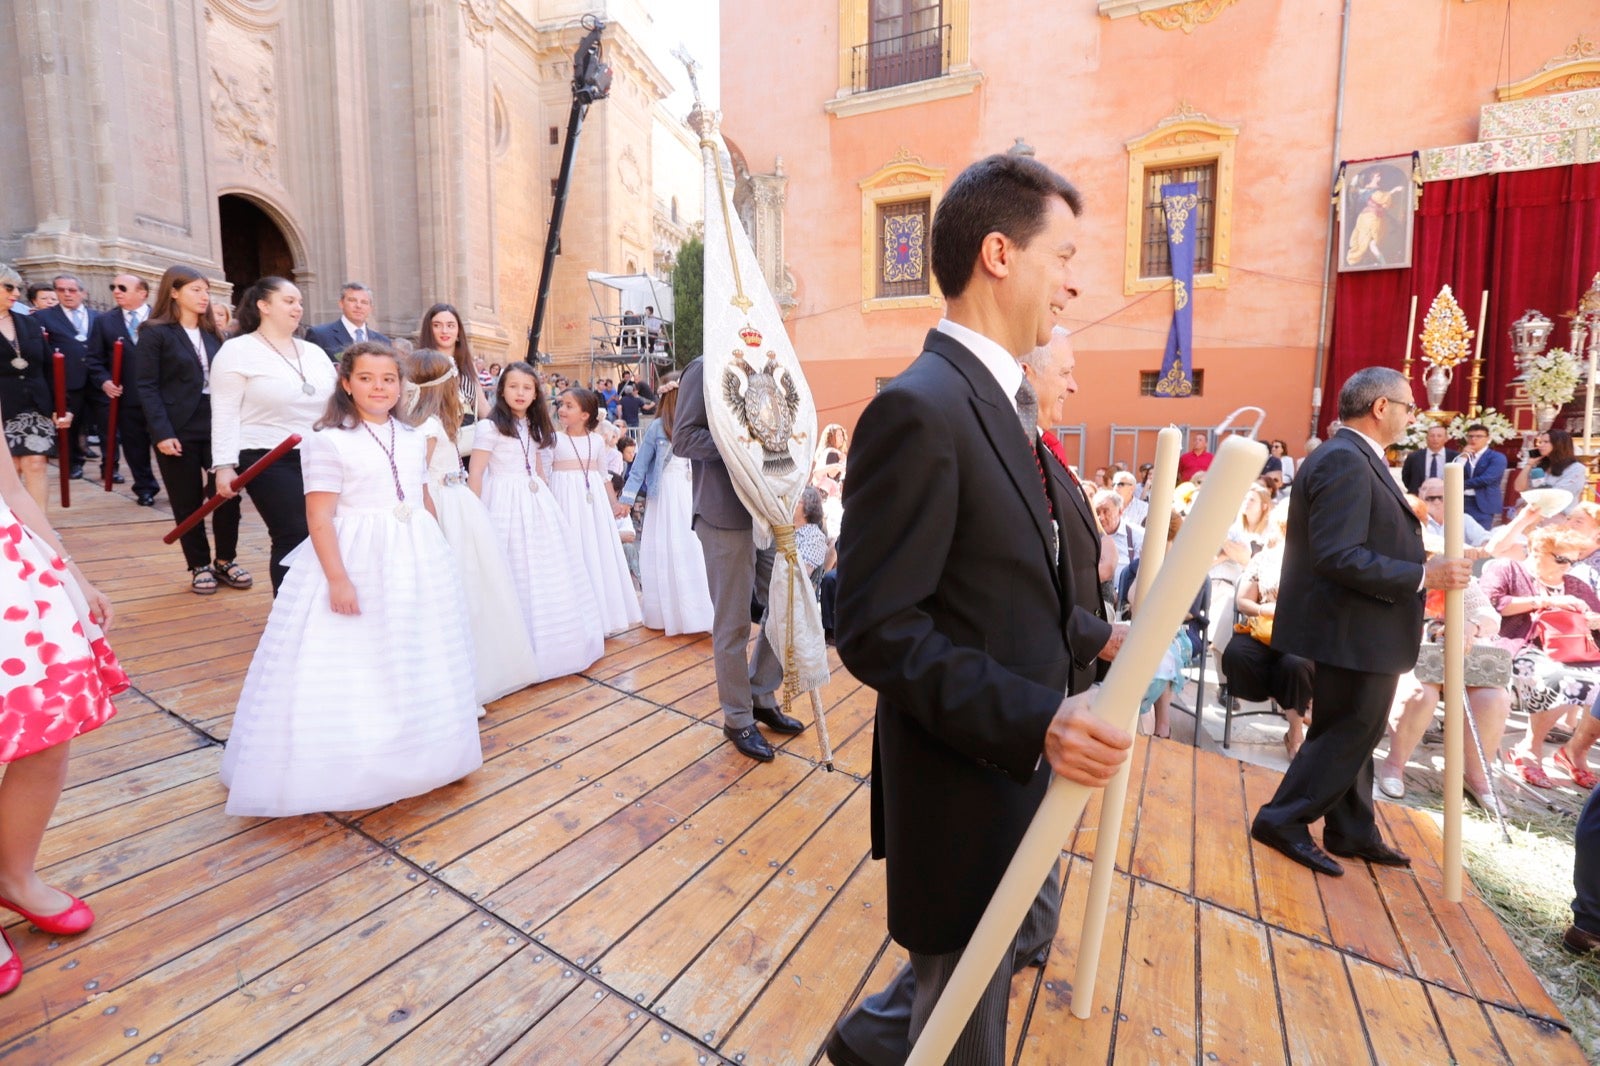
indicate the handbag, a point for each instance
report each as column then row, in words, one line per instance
column 1565, row 636
column 1487, row 666
column 1258, row 626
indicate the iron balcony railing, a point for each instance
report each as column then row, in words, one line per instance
column 890, row 61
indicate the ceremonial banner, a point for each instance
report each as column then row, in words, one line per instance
column 761, row 413
column 1177, row 371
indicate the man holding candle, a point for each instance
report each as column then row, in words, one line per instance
column 1350, row 601
column 959, row 602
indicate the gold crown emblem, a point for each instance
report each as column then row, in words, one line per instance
column 751, row 336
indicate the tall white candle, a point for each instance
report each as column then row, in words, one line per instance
column 1237, row 464
column 1163, row 482
column 1588, row 405
column 1455, row 690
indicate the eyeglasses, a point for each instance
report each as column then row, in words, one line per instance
column 1432, row 499
column 1564, row 560
column 8, row 286
column 119, row 288
column 1410, row 407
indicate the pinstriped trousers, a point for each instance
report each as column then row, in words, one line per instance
column 884, row 1027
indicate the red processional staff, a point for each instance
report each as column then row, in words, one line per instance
column 248, row 475
column 63, row 444
column 108, row 466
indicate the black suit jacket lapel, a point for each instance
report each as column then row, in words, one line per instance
column 1379, row 469
column 998, row 417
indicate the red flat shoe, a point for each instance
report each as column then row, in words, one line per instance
column 77, row 918
column 11, row 969
column 1581, row 776
column 1532, row 772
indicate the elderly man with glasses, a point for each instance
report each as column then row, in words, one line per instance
column 1126, row 486
column 1431, row 493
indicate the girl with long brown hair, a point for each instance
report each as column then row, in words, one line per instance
column 443, row 330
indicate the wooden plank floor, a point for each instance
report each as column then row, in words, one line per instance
column 617, row 885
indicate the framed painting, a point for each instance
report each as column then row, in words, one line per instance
column 1377, row 211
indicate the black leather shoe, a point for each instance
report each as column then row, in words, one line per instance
column 777, row 721
column 1577, row 941
column 146, row 499
column 76, row 473
column 1303, row 852
column 841, row 1054
column 91, row 453
column 117, row 479
column 1379, row 853
column 750, row 742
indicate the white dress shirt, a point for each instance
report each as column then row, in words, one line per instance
column 256, row 395
column 350, row 328
column 999, row 362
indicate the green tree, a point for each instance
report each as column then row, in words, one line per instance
column 688, row 302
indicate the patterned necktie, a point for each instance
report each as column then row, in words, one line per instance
column 1027, row 409
column 133, row 325
column 361, row 334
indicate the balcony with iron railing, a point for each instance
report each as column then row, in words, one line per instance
column 911, row 57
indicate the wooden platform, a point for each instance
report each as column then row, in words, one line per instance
column 618, row 885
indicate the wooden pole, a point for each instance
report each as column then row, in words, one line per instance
column 1163, row 481
column 249, row 474
column 1455, row 654
column 1411, row 339
column 1237, row 464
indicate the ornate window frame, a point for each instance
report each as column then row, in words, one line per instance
column 959, row 80
column 905, row 177
column 1184, row 138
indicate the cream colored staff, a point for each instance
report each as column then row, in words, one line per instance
column 1455, row 656
column 1163, row 479
column 1237, row 463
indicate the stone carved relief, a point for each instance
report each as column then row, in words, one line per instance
column 1187, row 16
column 480, row 16
column 246, row 121
column 628, row 171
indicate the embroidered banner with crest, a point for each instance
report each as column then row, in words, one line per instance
column 1178, row 203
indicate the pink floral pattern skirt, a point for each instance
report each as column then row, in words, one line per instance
column 57, row 673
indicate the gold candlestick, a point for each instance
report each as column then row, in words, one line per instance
column 1411, row 339
column 1477, row 359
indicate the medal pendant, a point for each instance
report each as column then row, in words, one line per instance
column 20, row 363
column 588, row 497
column 308, row 388
column 533, row 484
column 402, row 511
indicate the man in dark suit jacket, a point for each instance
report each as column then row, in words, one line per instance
column 68, row 325
column 1350, row 600
column 957, row 584
column 735, row 571
column 1428, row 461
column 355, row 307
column 1485, row 477
column 122, row 322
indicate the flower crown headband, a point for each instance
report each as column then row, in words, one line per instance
column 448, row 375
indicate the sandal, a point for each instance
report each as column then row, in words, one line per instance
column 1532, row 772
column 202, row 581
column 232, row 574
column 1581, row 775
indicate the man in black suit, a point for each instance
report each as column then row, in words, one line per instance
column 1350, row 600
column 1427, row 462
column 68, row 324
column 355, row 307
column 122, row 322
column 958, row 588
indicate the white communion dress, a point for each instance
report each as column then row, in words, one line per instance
column 502, row 654
column 344, row 712
column 544, row 562
column 579, row 478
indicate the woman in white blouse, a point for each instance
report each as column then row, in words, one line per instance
column 265, row 385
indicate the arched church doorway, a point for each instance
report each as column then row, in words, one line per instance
column 253, row 246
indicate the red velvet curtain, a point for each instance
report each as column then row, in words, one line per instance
column 1532, row 238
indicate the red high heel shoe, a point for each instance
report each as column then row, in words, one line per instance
column 77, row 918
column 11, row 969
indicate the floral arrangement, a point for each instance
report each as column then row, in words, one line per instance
column 1552, row 378
column 1446, row 340
column 1416, row 435
column 1501, row 428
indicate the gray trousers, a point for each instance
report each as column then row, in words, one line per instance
column 734, row 569
column 884, row 1027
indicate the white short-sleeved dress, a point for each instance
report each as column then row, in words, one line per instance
column 578, row 476
column 544, row 562
column 344, row 712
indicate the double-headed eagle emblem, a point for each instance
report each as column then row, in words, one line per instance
column 765, row 401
